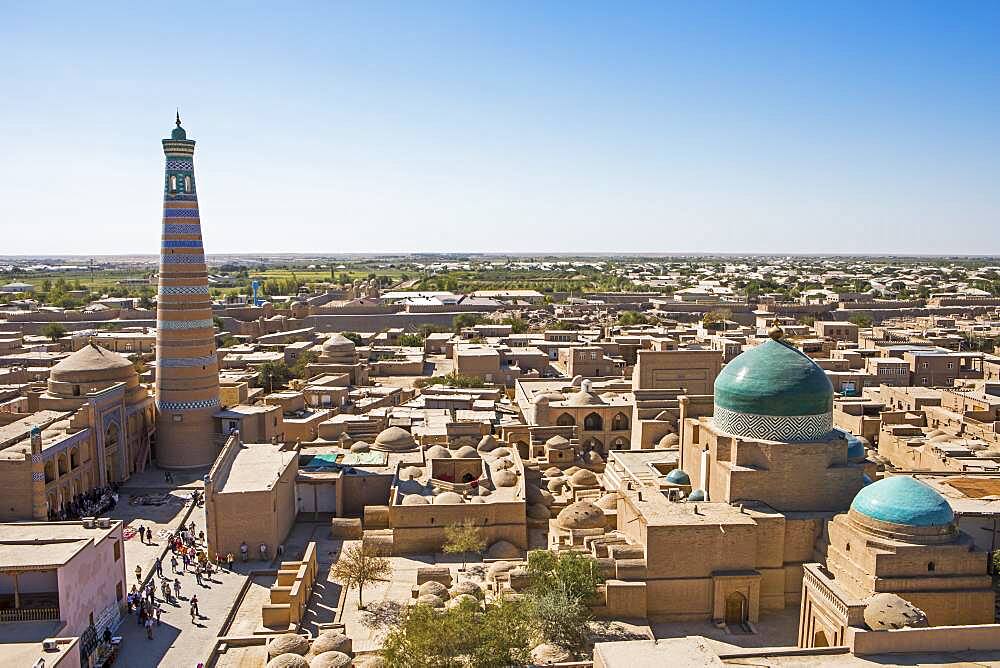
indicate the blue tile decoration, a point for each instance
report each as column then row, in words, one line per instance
column 180, row 213
column 187, row 405
column 784, row 428
column 182, row 228
column 187, row 361
column 184, row 324
column 183, row 289
column 183, row 259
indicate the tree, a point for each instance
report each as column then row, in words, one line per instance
column 460, row 636
column 631, row 318
column 306, row 358
column 562, row 586
column 575, row 573
column 352, row 336
column 54, row 331
column 360, row 566
column 270, row 374
column 463, row 320
column 464, row 538
column 716, row 317
column 518, row 325
column 559, row 618
column 861, row 320
column 411, row 340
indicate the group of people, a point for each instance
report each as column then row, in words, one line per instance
column 88, row 504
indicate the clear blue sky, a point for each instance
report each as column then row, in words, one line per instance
column 507, row 126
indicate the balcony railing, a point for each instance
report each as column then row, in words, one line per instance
column 29, row 615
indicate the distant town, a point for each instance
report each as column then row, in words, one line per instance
column 427, row 461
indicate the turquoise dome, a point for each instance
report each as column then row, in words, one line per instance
column 774, row 392
column 855, row 446
column 903, row 500
column 678, row 477
column 697, row 495
column 178, row 133
column 774, row 378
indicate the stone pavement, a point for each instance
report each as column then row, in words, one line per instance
column 177, row 642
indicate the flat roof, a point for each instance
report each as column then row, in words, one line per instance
column 40, row 545
column 255, row 468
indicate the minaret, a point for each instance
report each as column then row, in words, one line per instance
column 187, row 371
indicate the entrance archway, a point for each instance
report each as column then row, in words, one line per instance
column 736, row 609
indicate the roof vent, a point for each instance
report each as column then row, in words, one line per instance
column 104, row 523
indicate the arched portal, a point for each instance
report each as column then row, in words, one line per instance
column 566, row 420
column 593, row 422
column 736, row 609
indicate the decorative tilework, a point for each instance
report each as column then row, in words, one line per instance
column 38, row 476
column 37, row 458
column 184, row 324
column 187, row 405
column 182, row 228
column 178, row 197
column 181, row 243
column 183, row 259
column 180, row 213
column 187, row 361
column 183, row 289
column 784, row 428
column 179, row 163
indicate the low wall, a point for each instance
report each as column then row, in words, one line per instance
column 932, row 639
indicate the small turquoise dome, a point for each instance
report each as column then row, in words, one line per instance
column 866, row 479
column 903, row 500
column 774, row 392
column 178, row 133
column 697, row 495
column 678, row 477
column 855, row 446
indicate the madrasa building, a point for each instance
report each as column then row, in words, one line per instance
column 764, row 490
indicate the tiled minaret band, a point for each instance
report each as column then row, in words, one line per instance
column 187, row 372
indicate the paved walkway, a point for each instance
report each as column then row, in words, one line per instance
column 177, row 641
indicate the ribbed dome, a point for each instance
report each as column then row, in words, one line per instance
column 903, row 500
column 338, row 343
column 774, row 392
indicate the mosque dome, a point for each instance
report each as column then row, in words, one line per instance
column 360, row 446
column 905, row 501
column 437, row 452
column 583, row 478
column 331, row 659
column 466, row 452
column 338, row 343
column 697, row 495
column 447, row 498
column 678, row 477
column 558, row 442
column 487, row 443
column 178, row 133
column 90, row 364
column 394, row 439
column 414, row 500
column 584, row 398
column 580, row 515
column 774, row 392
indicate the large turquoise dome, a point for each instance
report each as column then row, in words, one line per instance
column 774, row 392
column 903, row 500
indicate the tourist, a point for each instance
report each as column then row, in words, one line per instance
column 149, row 628
column 229, row 560
column 158, row 564
column 244, row 551
column 138, row 573
column 173, row 563
column 197, row 574
column 201, row 537
column 194, row 604
column 159, row 611
column 263, row 551
column 177, row 588
column 165, row 590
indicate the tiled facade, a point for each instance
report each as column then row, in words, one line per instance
column 187, row 372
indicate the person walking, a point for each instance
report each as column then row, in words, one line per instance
column 197, row 574
column 263, row 551
column 229, row 560
column 173, row 563
column 194, row 605
column 138, row 573
column 159, row 611
column 194, row 613
column 149, row 628
column 165, row 590
column 177, row 588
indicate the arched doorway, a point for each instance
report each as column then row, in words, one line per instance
column 111, row 447
column 620, row 422
column 593, row 422
column 566, row 420
column 736, row 609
